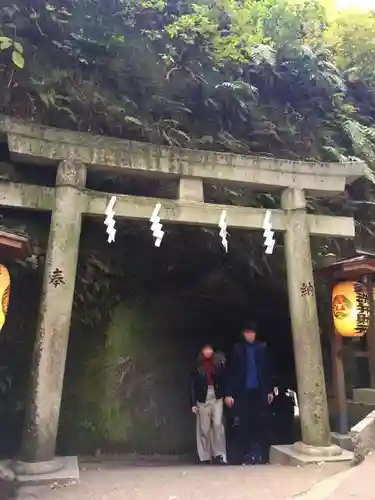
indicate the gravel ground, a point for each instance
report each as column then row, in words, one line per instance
column 358, row 483
column 119, row 481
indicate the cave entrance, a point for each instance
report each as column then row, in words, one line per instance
column 171, row 301
column 224, row 290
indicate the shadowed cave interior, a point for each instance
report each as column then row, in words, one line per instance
column 170, row 301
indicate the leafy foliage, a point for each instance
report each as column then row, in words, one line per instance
column 15, row 47
column 286, row 78
column 243, row 78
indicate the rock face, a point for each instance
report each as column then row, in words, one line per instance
column 8, row 483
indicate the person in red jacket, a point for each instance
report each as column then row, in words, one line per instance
column 207, row 392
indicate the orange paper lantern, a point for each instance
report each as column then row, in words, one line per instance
column 351, row 309
column 4, row 293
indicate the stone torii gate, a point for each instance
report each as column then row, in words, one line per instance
column 73, row 153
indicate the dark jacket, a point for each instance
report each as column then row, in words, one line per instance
column 235, row 385
column 199, row 383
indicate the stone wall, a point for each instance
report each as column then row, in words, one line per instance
column 132, row 394
column 363, row 437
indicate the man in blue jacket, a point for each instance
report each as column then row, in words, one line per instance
column 249, row 391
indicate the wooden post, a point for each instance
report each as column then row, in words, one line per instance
column 338, row 376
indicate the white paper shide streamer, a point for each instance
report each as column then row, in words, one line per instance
column 269, row 240
column 110, row 221
column 223, row 229
column 156, row 227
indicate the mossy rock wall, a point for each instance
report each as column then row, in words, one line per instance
column 132, row 393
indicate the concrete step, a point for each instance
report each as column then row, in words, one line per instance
column 358, row 411
column 364, row 395
column 342, row 440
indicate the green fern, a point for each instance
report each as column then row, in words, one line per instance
column 240, row 87
column 361, row 138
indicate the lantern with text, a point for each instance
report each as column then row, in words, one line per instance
column 351, row 309
column 4, row 294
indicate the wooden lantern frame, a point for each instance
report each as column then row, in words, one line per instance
column 360, row 267
column 14, row 246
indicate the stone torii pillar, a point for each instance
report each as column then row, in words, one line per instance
column 316, row 437
column 42, row 413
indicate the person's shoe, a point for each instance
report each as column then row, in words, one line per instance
column 219, row 460
column 258, row 454
column 248, row 460
column 206, row 462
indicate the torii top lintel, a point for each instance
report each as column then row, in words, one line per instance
column 46, row 145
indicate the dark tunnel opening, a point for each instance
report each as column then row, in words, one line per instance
column 187, row 292
column 140, row 316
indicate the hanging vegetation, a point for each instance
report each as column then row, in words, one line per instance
column 280, row 77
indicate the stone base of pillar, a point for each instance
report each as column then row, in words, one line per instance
column 317, row 451
column 60, row 470
column 300, row 454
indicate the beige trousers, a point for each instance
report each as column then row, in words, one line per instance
column 210, row 428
